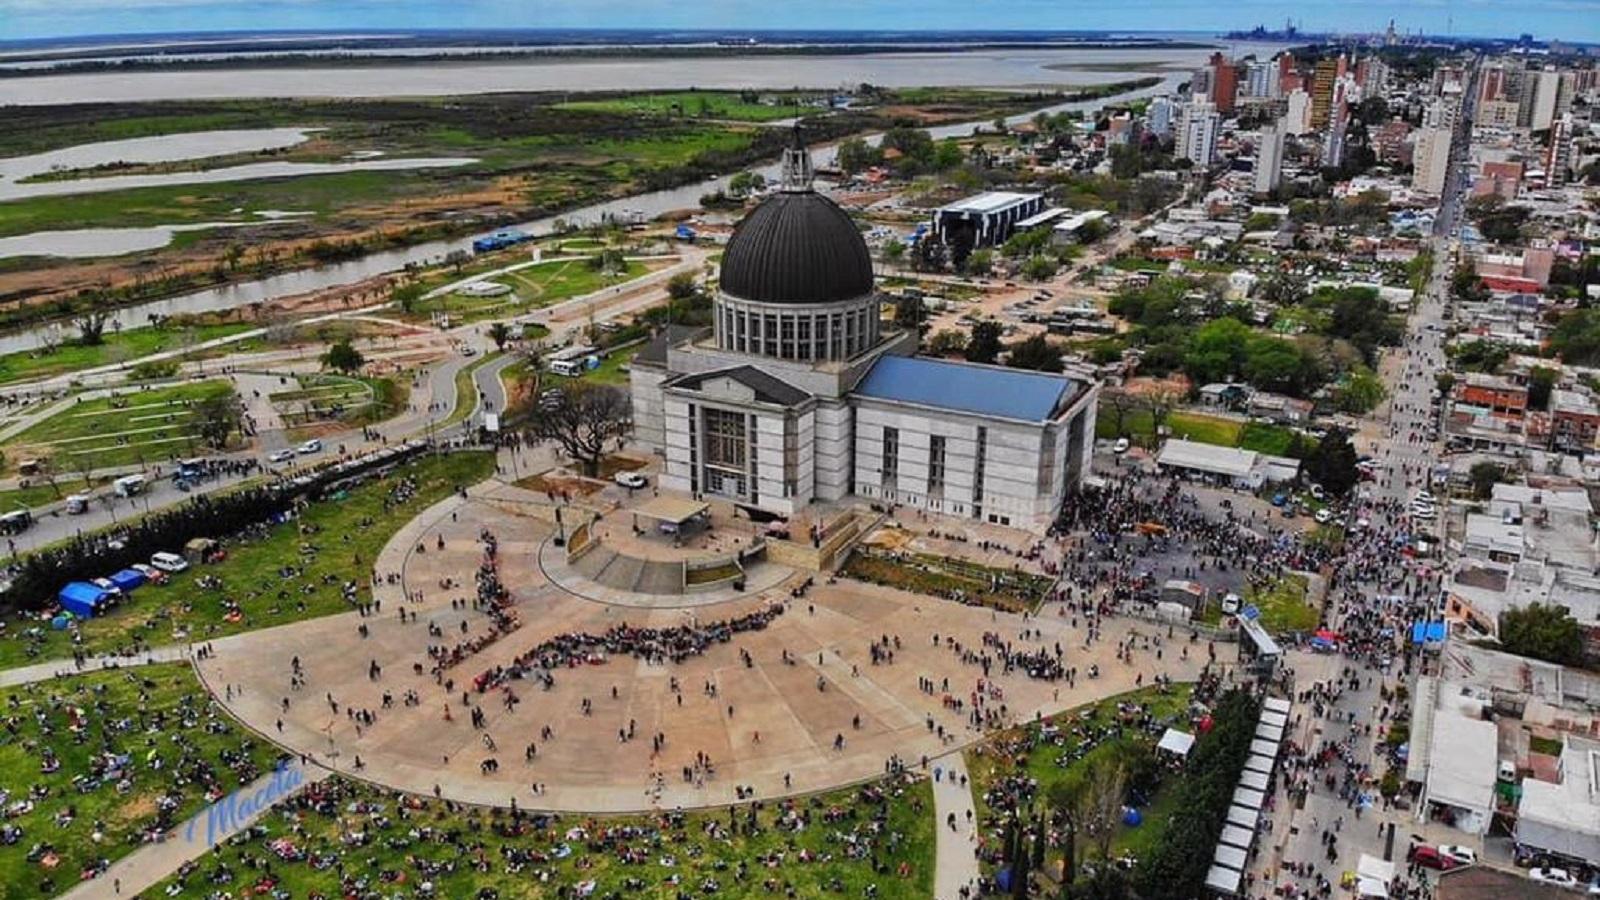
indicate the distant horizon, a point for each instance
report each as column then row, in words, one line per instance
column 36, row 22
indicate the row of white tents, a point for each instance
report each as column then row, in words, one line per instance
column 1232, row 854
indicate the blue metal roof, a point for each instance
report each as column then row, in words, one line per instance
column 966, row 387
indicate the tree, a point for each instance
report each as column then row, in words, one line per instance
column 1036, row 353
column 984, row 345
column 217, row 418
column 856, row 155
column 682, row 286
column 1485, row 475
column 1543, row 631
column 1333, row 463
column 1118, row 404
column 500, row 333
column 342, row 356
column 1576, row 337
column 91, row 328
column 742, row 184
column 948, row 342
column 1160, row 402
column 1067, row 801
column 1040, row 267
column 1216, row 351
column 1541, row 381
column 908, row 311
column 979, row 262
column 1466, row 286
column 584, row 419
column 1361, row 392
column 1105, row 789
column 455, row 259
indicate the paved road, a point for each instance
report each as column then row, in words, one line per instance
column 957, row 859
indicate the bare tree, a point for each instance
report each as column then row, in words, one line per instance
column 584, row 419
column 1160, row 401
column 1104, row 790
column 1116, row 404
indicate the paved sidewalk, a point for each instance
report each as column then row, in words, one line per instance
column 957, row 864
column 151, row 864
column 44, row 671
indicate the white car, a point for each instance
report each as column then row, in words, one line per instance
column 1466, row 856
column 1424, row 497
column 309, row 447
column 630, row 480
column 1230, row 604
column 1557, row 877
column 1121, row 446
column 279, row 456
column 169, row 562
column 1323, row 516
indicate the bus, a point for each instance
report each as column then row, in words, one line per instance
column 572, row 361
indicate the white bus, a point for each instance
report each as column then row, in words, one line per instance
column 571, row 362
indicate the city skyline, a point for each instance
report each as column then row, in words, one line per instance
column 1569, row 20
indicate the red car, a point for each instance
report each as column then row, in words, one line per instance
column 1430, row 858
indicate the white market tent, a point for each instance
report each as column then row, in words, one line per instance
column 1248, row 798
column 1267, row 732
column 1264, row 747
column 1258, row 763
column 1242, row 816
column 1373, row 876
column 1232, row 857
column 1255, row 780
column 1272, row 718
column 1175, row 741
column 1463, row 767
column 1223, row 880
column 1276, row 704
column 1234, row 836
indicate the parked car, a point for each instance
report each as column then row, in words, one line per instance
column 1121, row 446
column 1466, row 856
column 1323, row 516
column 630, row 480
column 1557, row 877
column 169, row 562
column 280, row 456
column 309, row 447
column 1430, row 858
column 1230, row 604
column 155, row 575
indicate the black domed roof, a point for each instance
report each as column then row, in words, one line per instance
column 797, row 247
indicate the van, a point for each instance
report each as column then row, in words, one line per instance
column 16, row 521
column 571, row 368
column 129, row 485
column 77, row 504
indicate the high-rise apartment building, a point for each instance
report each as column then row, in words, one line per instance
column 1297, row 115
column 1160, row 115
column 1198, row 124
column 1431, row 160
column 1558, row 155
column 1323, row 78
column 1269, row 159
column 1546, row 88
column 1224, row 83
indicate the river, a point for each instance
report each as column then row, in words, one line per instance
column 649, row 205
column 997, row 67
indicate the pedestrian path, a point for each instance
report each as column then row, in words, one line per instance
column 957, row 860
column 56, row 668
column 151, row 864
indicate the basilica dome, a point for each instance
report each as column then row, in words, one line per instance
column 797, row 247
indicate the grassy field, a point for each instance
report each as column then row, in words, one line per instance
column 467, row 853
column 613, row 366
column 125, row 741
column 133, row 426
column 950, row 578
column 1283, row 604
column 1138, row 425
column 702, row 105
column 118, row 347
column 347, row 532
column 1030, row 752
column 531, row 288
column 353, row 400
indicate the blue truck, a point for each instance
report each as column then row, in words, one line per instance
column 499, row 240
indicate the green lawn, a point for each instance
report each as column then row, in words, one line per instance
column 1027, row 751
column 345, row 398
column 533, row 287
column 950, row 578
column 1283, row 604
column 118, row 347
column 124, row 740
column 36, row 495
column 464, row 853
column 700, row 105
column 133, row 426
column 1274, row 440
column 346, row 533
column 612, row 367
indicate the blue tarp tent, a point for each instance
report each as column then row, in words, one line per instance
column 80, row 598
column 1427, row 632
column 128, row 579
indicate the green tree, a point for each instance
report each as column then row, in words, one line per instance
column 742, row 184
column 908, row 311
column 1485, row 475
column 500, row 333
column 1216, row 351
column 1036, row 353
column 1541, row 381
column 947, row 342
column 342, row 356
column 1273, row 364
column 984, row 345
column 856, row 155
column 682, row 286
column 1466, row 286
column 217, row 418
column 1333, row 463
column 1543, row 631
column 979, row 262
column 1040, row 267
column 1361, row 392
column 1576, row 337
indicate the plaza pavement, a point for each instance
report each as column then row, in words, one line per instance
column 768, row 718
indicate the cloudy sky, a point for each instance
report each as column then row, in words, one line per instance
column 1570, row 19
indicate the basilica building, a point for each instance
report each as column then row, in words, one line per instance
column 800, row 392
